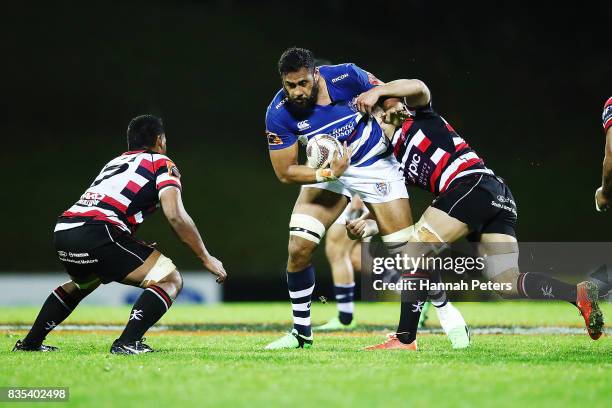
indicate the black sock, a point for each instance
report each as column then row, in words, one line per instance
column 537, row 286
column 345, row 295
column 55, row 310
column 152, row 304
column 410, row 314
column 301, row 285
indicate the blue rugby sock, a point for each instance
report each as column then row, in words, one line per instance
column 301, row 285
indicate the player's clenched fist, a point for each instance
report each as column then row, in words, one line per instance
column 361, row 227
column 366, row 101
column 340, row 163
column 215, row 267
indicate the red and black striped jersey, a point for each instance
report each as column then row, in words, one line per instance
column 606, row 117
column 431, row 153
column 125, row 192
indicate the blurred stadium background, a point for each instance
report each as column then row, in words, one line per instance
column 524, row 85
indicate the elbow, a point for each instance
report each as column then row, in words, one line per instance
column 283, row 178
column 423, row 91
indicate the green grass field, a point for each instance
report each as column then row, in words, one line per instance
column 214, row 356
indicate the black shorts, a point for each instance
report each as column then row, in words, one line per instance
column 483, row 202
column 100, row 249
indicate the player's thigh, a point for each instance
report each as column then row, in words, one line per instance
column 501, row 254
column 82, row 284
column 314, row 212
column 497, row 244
column 324, row 205
column 155, row 269
column 392, row 216
column 437, row 226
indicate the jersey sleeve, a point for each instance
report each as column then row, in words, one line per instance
column 279, row 136
column 606, row 117
column 166, row 174
column 364, row 79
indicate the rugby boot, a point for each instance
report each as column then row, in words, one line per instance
column 129, row 348
column 291, row 340
column 393, row 343
column 21, row 346
column 586, row 301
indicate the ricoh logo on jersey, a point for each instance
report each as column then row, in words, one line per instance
column 339, row 78
column 281, row 103
column 90, row 199
column 303, row 125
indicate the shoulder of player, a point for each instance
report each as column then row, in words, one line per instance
column 159, row 162
column 277, row 104
column 336, row 73
column 608, row 103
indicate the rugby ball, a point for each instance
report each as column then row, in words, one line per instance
column 320, row 151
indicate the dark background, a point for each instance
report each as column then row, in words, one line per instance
column 524, row 86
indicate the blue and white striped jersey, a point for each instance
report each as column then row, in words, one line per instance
column 340, row 119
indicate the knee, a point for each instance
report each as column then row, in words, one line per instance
column 77, row 293
column 174, row 280
column 300, row 252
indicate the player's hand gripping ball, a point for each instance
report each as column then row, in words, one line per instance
column 320, row 151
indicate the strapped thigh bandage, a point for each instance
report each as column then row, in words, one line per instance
column 400, row 236
column 307, row 227
column 162, row 268
column 499, row 263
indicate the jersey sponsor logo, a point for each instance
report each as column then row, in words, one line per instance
column 281, row 103
column 303, row 125
column 413, row 167
column 339, row 78
column 90, row 199
column 503, row 207
column 504, row 200
column 273, row 138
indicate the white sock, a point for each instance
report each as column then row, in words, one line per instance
column 450, row 317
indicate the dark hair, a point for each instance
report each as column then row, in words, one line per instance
column 294, row 59
column 143, row 131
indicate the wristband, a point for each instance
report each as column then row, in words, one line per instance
column 323, row 175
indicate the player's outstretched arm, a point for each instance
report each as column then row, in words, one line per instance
column 287, row 169
column 415, row 93
column 185, row 228
column 603, row 195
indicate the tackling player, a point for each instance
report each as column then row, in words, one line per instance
column 95, row 240
column 470, row 200
column 603, row 195
column 315, row 100
column 344, row 256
